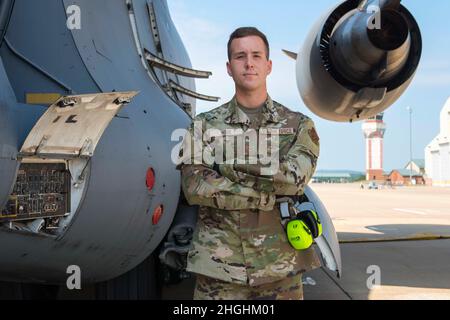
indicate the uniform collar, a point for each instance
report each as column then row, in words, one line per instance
column 270, row 113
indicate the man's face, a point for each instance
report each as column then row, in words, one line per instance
column 248, row 65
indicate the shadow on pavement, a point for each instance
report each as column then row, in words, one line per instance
column 408, row 270
column 398, row 232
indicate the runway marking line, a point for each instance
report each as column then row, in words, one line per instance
column 411, row 211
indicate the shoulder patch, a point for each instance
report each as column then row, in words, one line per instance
column 314, row 136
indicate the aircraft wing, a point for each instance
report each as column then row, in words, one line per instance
column 328, row 243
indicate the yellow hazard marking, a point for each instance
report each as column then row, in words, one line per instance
column 41, row 98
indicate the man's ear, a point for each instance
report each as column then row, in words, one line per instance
column 269, row 69
column 229, row 69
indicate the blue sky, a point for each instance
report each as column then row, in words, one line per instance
column 205, row 27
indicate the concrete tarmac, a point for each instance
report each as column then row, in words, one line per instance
column 394, row 235
column 386, row 214
column 395, row 245
column 408, row 270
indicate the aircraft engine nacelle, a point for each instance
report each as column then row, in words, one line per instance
column 358, row 59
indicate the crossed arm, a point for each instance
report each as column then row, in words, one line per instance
column 237, row 187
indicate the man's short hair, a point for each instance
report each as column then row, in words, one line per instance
column 247, row 32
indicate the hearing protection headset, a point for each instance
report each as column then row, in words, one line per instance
column 302, row 223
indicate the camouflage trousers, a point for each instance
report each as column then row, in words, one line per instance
column 207, row 288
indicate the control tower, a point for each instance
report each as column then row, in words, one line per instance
column 374, row 129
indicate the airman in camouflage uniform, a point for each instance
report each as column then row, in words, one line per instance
column 240, row 246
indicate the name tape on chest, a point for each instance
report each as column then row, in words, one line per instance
column 286, row 131
column 269, row 131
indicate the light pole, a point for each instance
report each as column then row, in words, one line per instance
column 410, row 143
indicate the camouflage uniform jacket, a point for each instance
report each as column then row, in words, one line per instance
column 239, row 236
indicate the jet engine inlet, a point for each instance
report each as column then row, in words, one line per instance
column 371, row 56
column 358, row 59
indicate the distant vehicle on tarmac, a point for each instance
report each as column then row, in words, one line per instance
column 373, row 186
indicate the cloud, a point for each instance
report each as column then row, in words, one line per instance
column 435, row 64
column 282, row 82
column 438, row 79
column 433, row 73
column 195, row 30
column 205, row 42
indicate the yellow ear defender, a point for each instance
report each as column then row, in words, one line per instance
column 299, row 235
column 304, row 224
